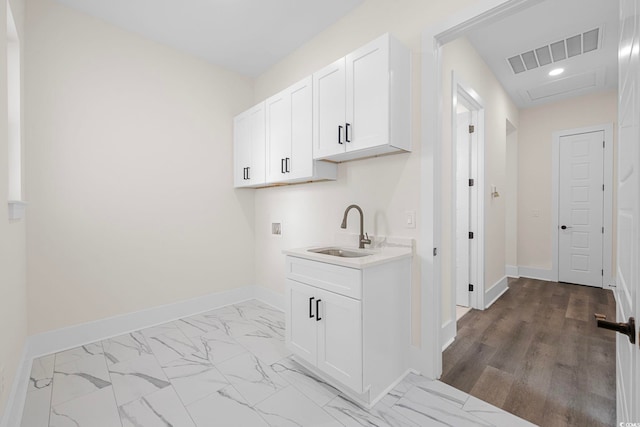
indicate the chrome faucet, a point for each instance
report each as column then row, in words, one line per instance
column 363, row 238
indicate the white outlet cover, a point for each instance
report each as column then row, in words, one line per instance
column 410, row 219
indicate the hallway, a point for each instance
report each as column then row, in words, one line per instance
column 537, row 353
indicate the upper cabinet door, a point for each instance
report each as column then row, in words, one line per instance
column 257, row 135
column 300, row 163
column 278, row 149
column 329, row 110
column 241, row 150
column 367, row 96
column 249, row 147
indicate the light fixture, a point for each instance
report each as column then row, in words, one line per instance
column 556, row 71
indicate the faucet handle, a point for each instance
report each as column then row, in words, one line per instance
column 365, row 239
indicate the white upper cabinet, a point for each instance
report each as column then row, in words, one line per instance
column 362, row 103
column 289, row 137
column 249, row 147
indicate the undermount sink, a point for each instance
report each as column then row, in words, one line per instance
column 339, row 252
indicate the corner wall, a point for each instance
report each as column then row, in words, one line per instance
column 13, row 286
column 460, row 56
column 129, row 172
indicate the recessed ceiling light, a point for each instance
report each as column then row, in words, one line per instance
column 556, row 71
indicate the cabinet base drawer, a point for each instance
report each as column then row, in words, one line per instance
column 334, row 278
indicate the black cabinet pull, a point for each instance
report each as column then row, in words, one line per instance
column 339, row 134
column 311, row 307
column 248, row 169
column 244, row 173
column 318, row 318
column 346, row 132
column 281, row 165
column 287, row 160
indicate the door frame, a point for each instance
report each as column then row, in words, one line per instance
column 608, row 280
column 475, row 104
column 428, row 356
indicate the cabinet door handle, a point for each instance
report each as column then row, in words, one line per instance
column 248, row 169
column 244, row 173
column 346, row 132
column 311, row 307
column 281, row 165
column 339, row 134
column 287, row 160
column 318, row 318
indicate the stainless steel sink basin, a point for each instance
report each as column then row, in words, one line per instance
column 339, row 252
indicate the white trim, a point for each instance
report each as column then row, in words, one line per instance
column 607, row 220
column 270, row 297
column 77, row 335
column 496, row 291
column 428, row 359
column 537, row 273
column 511, row 271
column 449, row 332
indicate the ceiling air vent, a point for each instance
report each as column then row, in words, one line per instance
column 557, row 51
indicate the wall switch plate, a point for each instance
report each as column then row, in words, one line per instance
column 276, row 228
column 410, row 219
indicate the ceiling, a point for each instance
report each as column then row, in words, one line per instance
column 544, row 24
column 247, row 36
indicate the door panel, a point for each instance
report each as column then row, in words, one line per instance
column 301, row 325
column 301, row 158
column 628, row 211
column 463, row 194
column 340, row 338
column 329, row 110
column 581, row 199
column 278, row 113
column 367, row 108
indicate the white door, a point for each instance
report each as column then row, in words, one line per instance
column 463, row 196
column 301, row 325
column 278, row 135
column 367, row 108
column 340, row 338
column 329, row 110
column 300, row 164
column 628, row 211
column 580, row 205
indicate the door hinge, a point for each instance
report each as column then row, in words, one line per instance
column 435, row 251
column 471, row 182
column 602, row 230
column 602, row 273
column 472, row 128
column 471, row 234
column 470, row 287
column 602, row 144
column 602, row 187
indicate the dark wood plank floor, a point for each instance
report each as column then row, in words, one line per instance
column 537, row 353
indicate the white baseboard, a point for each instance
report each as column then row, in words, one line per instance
column 270, row 297
column 448, row 333
column 496, row 291
column 15, row 402
column 537, row 273
column 77, row 335
column 511, row 271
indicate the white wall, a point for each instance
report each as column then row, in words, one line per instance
column 461, row 57
column 534, row 177
column 129, row 172
column 13, row 290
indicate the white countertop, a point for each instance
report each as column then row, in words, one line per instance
column 378, row 255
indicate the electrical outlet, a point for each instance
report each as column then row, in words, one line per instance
column 276, row 228
column 410, row 219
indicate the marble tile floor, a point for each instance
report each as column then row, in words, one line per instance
column 227, row 367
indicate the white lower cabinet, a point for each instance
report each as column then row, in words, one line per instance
column 358, row 340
